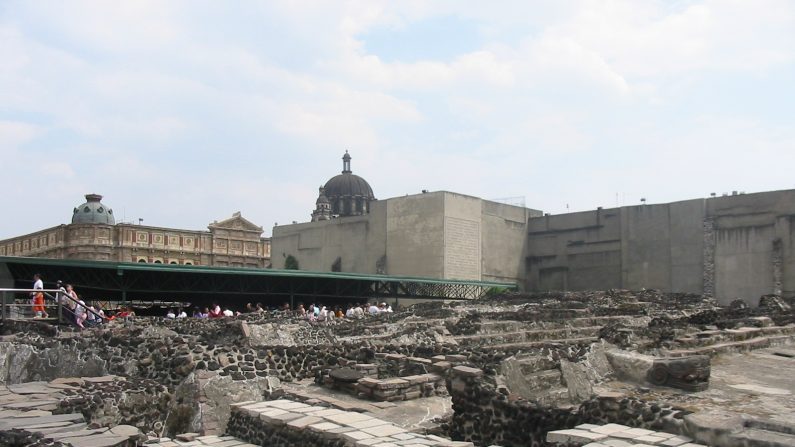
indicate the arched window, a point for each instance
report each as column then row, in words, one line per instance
column 347, row 204
column 157, row 261
column 142, row 261
column 360, row 205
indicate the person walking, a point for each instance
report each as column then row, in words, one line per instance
column 37, row 297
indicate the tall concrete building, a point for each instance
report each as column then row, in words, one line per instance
column 94, row 234
column 737, row 246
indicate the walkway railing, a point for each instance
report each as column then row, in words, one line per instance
column 15, row 308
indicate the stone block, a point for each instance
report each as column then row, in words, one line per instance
column 574, row 436
column 420, row 360
column 368, row 382
column 650, row 439
column 438, row 358
column 441, row 367
column 347, row 417
column 455, row 358
column 356, row 435
column 381, row 431
column 676, row 441
column 303, row 422
column 367, row 423
column 412, row 395
column 609, row 428
column 466, row 371
column 390, row 384
column 323, row 427
column 395, row 357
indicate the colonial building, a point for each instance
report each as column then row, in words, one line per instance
column 95, row 235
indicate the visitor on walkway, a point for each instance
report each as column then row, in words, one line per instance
column 37, row 298
column 170, row 315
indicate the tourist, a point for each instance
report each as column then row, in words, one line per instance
column 80, row 311
column 351, row 312
column 359, row 311
column 250, row 308
column 261, row 310
column 215, row 311
column 182, row 314
column 202, row 313
column 68, row 302
column 170, row 314
column 92, row 319
column 373, row 310
column 228, row 313
column 300, row 311
column 37, row 298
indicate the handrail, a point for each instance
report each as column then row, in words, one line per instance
column 46, row 292
column 84, row 306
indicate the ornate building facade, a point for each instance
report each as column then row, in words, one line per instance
column 95, row 235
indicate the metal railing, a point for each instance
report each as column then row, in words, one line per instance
column 17, row 308
column 13, row 307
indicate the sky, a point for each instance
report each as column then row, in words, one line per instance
column 182, row 113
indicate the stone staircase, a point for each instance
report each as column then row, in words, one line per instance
column 726, row 341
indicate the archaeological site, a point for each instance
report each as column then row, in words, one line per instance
column 597, row 369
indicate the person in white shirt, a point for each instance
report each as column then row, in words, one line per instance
column 228, row 313
column 170, row 314
column 182, row 314
column 373, row 310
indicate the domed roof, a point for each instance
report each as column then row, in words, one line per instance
column 93, row 212
column 347, row 184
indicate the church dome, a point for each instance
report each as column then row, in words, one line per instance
column 348, row 185
column 347, row 193
column 93, row 212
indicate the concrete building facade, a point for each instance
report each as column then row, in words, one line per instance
column 94, row 235
column 438, row 234
column 738, row 246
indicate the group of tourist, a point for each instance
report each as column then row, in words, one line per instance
column 313, row 313
column 74, row 308
column 320, row 313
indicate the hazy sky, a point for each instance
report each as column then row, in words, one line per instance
column 182, row 113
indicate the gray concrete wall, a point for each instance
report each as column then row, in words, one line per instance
column 415, row 235
column 437, row 234
column 664, row 246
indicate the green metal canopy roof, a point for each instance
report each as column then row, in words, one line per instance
column 126, row 280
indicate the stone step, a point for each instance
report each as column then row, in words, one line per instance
column 528, row 335
column 706, row 338
column 756, row 437
column 538, row 344
column 516, row 326
column 732, row 347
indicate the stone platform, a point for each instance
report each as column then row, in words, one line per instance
column 26, row 411
column 616, row 435
column 285, row 422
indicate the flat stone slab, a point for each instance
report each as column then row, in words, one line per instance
column 96, row 441
column 346, row 375
column 30, row 388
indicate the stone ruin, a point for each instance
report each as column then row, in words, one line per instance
column 606, row 368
